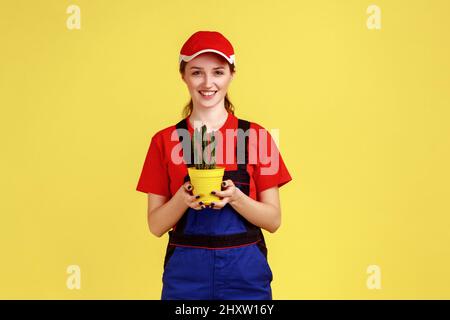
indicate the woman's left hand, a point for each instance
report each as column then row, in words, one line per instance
column 228, row 194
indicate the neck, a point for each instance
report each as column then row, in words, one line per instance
column 212, row 117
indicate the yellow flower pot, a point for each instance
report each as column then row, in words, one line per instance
column 206, row 180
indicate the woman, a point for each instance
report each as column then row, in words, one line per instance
column 216, row 251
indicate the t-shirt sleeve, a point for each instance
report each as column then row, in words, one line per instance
column 154, row 176
column 270, row 169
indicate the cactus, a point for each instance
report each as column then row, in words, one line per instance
column 199, row 144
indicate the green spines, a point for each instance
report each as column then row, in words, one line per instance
column 213, row 151
column 204, row 144
column 200, row 145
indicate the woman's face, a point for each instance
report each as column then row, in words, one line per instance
column 207, row 77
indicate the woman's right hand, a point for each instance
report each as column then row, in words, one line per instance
column 189, row 199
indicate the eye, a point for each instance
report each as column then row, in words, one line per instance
column 195, row 73
column 219, row 72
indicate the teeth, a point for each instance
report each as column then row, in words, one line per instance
column 207, row 93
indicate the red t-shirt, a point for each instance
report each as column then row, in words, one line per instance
column 160, row 175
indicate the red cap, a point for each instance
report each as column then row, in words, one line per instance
column 207, row 41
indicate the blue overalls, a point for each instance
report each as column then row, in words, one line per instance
column 217, row 254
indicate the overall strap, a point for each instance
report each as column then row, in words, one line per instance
column 242, row 143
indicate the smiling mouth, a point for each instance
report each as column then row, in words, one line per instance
column 208, row 93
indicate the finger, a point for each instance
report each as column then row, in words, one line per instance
column 222, row 194
column 197, row 206
column 202, row 205
column 217, row 205
column 227, row 183
column 188, row 187
column 194, row 198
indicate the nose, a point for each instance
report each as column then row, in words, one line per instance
column 207, row 81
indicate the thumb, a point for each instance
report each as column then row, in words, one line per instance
column 188, row 186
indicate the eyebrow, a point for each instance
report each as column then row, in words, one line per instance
column 213, row 68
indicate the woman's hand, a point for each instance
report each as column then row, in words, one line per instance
column 189, row 199
column 229, row 194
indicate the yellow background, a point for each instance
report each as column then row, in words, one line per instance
column 364, row 131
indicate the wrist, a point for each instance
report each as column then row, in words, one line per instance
column 237, row 198
column 179, row 197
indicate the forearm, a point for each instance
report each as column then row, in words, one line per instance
column 260, row 214
column 161, row 219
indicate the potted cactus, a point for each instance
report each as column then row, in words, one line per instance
column 205, row 176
